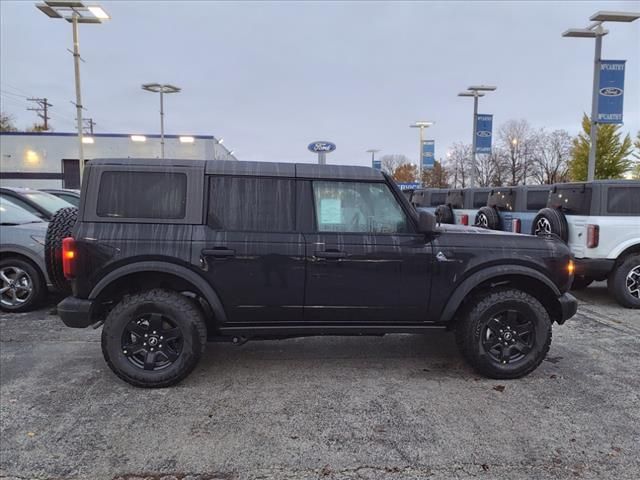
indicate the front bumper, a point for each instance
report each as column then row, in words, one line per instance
column 568, row 307
column 75, row 312
column 596, row 268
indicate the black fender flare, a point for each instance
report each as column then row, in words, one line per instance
column 495, row 271
column 165, row 267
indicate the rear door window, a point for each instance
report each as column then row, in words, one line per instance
column 623, row 201
column 252, row 204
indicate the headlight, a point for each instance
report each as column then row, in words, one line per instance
column 38, row 239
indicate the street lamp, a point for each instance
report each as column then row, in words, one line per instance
column 161, row 89
column 597, row 31
column 75, row 13
column 421, row 124
column 475, row 91
column 373, row 152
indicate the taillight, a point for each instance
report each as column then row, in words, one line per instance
column 593, row 236
column 515, row 225
column 69, row 255
column 464, row 219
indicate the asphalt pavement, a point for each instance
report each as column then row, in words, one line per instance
column 393, row 407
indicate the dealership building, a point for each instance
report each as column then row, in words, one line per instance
column 50, row 159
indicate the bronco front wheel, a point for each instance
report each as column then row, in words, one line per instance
column 154, row 338
column 505, row 334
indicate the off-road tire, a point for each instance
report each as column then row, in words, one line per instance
column 488, row 217
column 581, row 282
column 39, row 288
column 617, row 282
column 60, row 227
column 183, row 311
column 555, row 221
column 444, row 214
column 482, row 308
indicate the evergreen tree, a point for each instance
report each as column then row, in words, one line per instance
column 612, row 152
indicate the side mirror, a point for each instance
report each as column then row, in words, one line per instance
column 426, row 222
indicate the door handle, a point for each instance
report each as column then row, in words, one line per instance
column 330, row 255
column 218, row 252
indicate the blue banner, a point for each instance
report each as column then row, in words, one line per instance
column 377, row 164
column 484, row 124
column 428, row 153
column 611, row 91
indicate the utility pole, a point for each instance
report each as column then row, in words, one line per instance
column 41, row 110
column 89, row 125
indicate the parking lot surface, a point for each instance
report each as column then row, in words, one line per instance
column 396, row 407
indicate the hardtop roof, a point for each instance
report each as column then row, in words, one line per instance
column 268, row 169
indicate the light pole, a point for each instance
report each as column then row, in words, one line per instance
column 161, row 89
column 597, row 31
column 475, row 91
column 421, row 124
column 75, row 12
column 373, row 152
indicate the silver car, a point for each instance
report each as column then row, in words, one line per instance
column 23, row 278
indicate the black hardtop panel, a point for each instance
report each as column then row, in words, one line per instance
column 574, row 198
column 268, row 169
column 455, row 198
column 504, row 198
column 147, row 162
column 264, row 169
column 337, row 172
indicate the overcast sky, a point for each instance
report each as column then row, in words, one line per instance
column 272, row 77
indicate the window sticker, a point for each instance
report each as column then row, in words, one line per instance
column 330, row 211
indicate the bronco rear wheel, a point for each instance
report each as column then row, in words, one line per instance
column 154, row 338
column 548, row 221
column 506, row 334
column 488, row 217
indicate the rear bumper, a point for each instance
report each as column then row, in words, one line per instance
column 568, row 307
column 75, row 312
column 596, row 268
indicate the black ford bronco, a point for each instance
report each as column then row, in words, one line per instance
column 170, row 254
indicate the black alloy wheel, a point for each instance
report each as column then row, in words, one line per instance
column 152, row 341
column 508, row 337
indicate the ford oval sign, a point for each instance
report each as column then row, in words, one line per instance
column 321, row 147
column 611, row 91
column 484, row 133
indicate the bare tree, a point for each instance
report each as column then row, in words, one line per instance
column 517, row 140
column 7, row 123
column 551, row 155
column 390, row 163
column 459, row 164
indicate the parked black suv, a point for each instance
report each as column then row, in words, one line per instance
column 170, row 254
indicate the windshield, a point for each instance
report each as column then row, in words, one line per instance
column 47, row 201
column 11, row 214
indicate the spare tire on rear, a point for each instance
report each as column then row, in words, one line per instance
column 444, row 214
column 488, row 217
column 550, row 220
column 60, row 227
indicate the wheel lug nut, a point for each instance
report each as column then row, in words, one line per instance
column 144, row 344
column 152, row 349
column 145, row 335
column 160, row 346
column 161, row 338
column 154, row 332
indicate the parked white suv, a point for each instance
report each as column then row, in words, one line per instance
column 600, row 221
